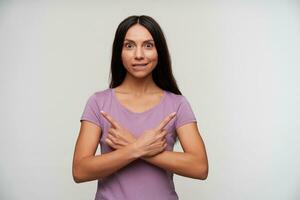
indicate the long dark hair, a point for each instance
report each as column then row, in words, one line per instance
column 162, row 74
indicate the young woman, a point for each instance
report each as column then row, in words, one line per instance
column 137, row 120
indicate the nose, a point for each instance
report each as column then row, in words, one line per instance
column 139, row 53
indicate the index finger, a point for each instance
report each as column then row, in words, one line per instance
column 110, row 119
column 165, row 121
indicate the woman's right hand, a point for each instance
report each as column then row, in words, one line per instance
column 153, row 141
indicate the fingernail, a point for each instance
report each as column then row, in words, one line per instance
column 102, row 111
column 174, row 113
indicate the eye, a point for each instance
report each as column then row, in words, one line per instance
column 149, row 45
column 128, row 45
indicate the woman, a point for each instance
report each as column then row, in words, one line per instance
column 137, row 121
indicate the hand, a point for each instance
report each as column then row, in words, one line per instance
column 153, row 141
column 118, row 136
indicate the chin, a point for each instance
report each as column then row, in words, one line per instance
column 140, row 74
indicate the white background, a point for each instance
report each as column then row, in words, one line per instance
column 237, row 62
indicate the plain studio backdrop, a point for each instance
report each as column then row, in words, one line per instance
column 237, row 62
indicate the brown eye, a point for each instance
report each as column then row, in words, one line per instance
column 128, row 45
column 149, row 45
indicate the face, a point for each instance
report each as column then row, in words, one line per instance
column 139, row 55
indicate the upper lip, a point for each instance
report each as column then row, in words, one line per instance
column 139, row 64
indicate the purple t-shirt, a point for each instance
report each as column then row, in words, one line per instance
column 139, row 180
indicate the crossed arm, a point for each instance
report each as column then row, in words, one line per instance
column 149, row 147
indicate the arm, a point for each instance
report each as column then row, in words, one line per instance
column 87, row 166
column 192, row 162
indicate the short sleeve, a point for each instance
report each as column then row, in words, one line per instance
column 184, row 113
column 91, row 111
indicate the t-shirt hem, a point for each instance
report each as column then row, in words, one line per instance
column 185, row 122
column 90, row 120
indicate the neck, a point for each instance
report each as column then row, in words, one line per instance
column 139, row 86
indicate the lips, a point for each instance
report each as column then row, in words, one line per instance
column 139, row 64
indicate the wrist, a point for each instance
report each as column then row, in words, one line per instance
column 146, row 158
column 136, row 151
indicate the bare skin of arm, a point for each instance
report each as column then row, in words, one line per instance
column 191, row 163
column 88, row 167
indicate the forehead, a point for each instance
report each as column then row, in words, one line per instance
column 138, row 33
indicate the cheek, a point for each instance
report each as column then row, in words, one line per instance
column 152, row 55
column 125, row 57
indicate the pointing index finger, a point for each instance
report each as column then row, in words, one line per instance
column 165, row 121
column 110, row 119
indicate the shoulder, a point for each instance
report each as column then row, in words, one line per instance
column 175, row 99
column 101, row 94
column 184, row 111
column 99, row 97
column 180, row 103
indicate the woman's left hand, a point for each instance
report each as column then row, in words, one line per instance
column 118, row 136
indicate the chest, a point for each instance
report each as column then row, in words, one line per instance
column 138, row 104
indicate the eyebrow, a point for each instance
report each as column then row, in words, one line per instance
column 150, row 40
